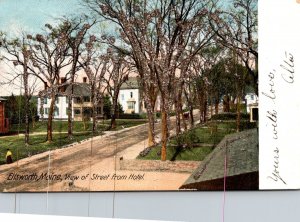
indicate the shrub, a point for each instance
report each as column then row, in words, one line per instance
column 230, row 116
column 129, row 116
column 186, row 139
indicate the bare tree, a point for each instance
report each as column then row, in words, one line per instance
column 95, row 65
column 237, row 30
column 197, row 40
column 157, row 32
column 119, row 70
column 17, row 52
column 49, row 55
column 77, row 30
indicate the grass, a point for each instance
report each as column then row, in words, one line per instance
column 195, row 144
column 37, row 144
column 38, row 141
column 125, row 123
column 196, row 154
column 78, row 126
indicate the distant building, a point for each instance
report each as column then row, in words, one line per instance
column 130, row 96
column 81, row 104
column 251, row 99
column 4, row 123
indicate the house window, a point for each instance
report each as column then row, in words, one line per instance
column 57, row 100
column 45, row 101
column 46, row 110
column 77, row 111
column 131, row 94
column 84, row 79
column 122, row 97
column 67, row 100
column 130, row 105
column 77, row 100
column 252, row 97
column 62, row 81
column 86, row 99
column 56, row 111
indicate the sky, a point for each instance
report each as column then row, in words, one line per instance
column 32, row 15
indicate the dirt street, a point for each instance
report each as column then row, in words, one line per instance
column 90, row 166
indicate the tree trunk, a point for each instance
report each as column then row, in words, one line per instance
column 192, row 121
column 113, row 123
column 151, row 139
column 202, row 107
column 216, row 106
column 83, row 117
column 231, row 103
column 26, row 118
column 26, row 95
column 93, row 101
column 33, row 120
column 211, row 107
column 238, row 117
column 50, row 118
column 150, row 101
column 180, row 107
column 164, row 132
column 205, row 109
column 94, row 118
column 226, row 104
column 183, row 118
column 178, row 121
column 70, row 125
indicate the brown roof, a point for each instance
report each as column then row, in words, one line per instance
column 79, row 89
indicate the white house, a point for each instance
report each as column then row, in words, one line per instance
column 61, row 108
column 130, row 96
column 251, row 99
column 81, row 104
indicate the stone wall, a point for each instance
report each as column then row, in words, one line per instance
column 157, row 165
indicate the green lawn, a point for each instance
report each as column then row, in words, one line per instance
column 196, row 153
column 37, row 144
column 78, row 126
column 196, row 144
column 125, row 123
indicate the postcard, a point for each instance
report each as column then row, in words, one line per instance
column 148, row 95
column 279, row 122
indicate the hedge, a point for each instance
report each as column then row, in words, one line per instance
column 230, row 116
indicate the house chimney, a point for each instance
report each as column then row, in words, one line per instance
column 62, row 81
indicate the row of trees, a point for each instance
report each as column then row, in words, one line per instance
column 191, row 48
column 182, row 50
column 54, row 58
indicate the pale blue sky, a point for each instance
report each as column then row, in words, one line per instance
column 31, row 15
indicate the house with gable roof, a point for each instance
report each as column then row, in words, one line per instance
column 81, row 103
